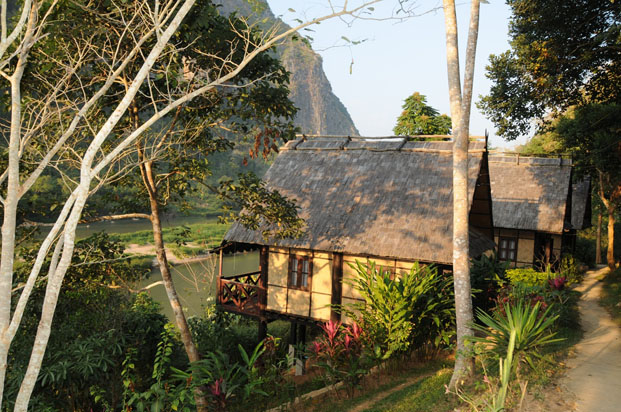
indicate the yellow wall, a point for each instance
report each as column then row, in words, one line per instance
column 278, row 267
column 526, row 245
column 557, row 245
column 298, row 302
column 294, row 301
column 316, row 302
column 525, row 252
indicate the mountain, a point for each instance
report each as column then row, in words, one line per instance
column 321, row 112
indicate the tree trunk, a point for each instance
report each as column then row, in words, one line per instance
column 460, row 113
column 610, row 255
column 598, row 239
column 78, row 200
column 160, row 251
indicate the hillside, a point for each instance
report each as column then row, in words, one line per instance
column 321, row 112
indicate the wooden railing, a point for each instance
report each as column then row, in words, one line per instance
column 242, row 293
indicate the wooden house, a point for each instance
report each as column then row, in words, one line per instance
column 388, row 199
column 536, row 209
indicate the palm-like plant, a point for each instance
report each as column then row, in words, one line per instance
column 532, row 330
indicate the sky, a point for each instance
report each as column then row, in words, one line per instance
column 399, row 58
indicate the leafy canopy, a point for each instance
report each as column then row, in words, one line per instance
column 591, row 135
column 563, row 53
column 418, row 118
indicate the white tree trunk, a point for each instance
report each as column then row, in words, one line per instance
column 7, row 255
column 89, row 168
column 81, row 194
column 460, row 113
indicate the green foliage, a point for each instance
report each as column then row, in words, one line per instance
column 611, row 294
column 261, row 208
column 570, row 269
column 205, row 235
column 341, row 354
column 95, row 324
column 562, row 54
column 591, row 134
column 159, row 396
column 418, row 118
column 411, row 308
column 486, row 275
column 542, row 144
column 497, row 388
column 505, row 366
column 530, row 325
column 227, row 385
column 585, row 249
column 527, row 276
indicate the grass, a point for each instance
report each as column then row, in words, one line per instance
column 206, row 235
column 611, row 295
column 427, row 394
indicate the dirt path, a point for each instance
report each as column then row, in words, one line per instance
column 594, row 374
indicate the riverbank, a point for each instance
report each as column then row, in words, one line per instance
column 149, row 250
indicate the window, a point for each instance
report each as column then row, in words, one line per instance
column 507, row 248
column 300, row 271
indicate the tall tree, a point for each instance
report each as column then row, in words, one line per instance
column 418, row 118
column 51, row 128
column 593, row 135
column 461, row 102
column 563, row 53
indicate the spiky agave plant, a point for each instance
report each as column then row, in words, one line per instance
column 532, row 330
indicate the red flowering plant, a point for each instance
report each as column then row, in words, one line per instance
column 340, row 353
column 557, row 283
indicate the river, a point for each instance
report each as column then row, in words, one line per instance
column 195, row 281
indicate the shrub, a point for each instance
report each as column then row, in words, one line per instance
column 570, row 269
column 527, row 276
column 415, row 307
column 486, row 275
column 531, row 326
column 341, row 354
column 224, row 383
column 585, row 250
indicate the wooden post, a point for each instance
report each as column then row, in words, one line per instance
column 337, row 285
column 598, row 240
column 219, row 282
column 262, row 330
column 299, row 363
column 293, row 340
column 263, row 277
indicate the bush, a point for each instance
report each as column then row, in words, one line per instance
column 340, row 352
column 570, row 269
column 486, row 276
column 531, row 326
column 527, row 277
column 412, row 308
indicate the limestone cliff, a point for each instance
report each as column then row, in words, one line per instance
column 320, row 111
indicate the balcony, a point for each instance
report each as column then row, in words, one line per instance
column 242, row 294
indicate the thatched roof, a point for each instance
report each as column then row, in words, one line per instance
column 581, row 204
column 530, row 193
column 385, row 197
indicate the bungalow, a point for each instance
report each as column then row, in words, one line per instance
column 385, row 199
column 536, row 209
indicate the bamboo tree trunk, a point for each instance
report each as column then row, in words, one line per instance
column 610, row 255
column 598, row 239
column 171, row 292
